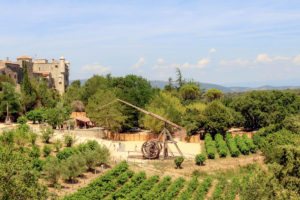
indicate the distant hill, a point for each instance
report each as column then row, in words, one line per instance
column 207, row 86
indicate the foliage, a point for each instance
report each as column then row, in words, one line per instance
column 7, row 138
column 200, row 159
column 72, row 167
column 233, row 149
column 66, row 153
column 45, row 97
column 9, row 98
column 249, row 143
column 178, row 162
column 187, row 193
column 57, row 145
column 244, row 149
column 22, row 120
column 135, row 90
column 219, row 189
column 32, row 137
column 193, row 118
column 232, row 190
column 6, row 79
column 69, row 140
column 158, row 190
column 28, row 93
column 166, row 106
column 209, row 146
column 47, row 150
column 38, row 114
column 37, row 164
column 262, row 108
column 53, row 170
column 47, row 133
column 17, row 179
column 58, row 115
column 213, row 94
column 110, row 116
column 174, row 189
column 203, row 188
column 218, row 118
column 35, row 152
column 179, row 79
column 189, row 92
column 73, row 93
column 77, row 106
column 221, row 145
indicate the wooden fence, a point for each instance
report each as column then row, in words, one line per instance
column 129, row 136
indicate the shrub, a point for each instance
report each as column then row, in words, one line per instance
column 22, row 120
column 189, row 190
column 92, row 144
column 203, row 188
column 23, row 127
column 7, row 138
column 57, row 145
column 35, row 152
column 178, row 162
column 91, row 158
column 21, row 137
column 66, row 153
column 37, row 164
column 209, row 145
column 32, row 136
column 174, row 189
column 249, row 143
column 69, row 140
column 47, row 133
column 221, row 145
column 52, row 170
column 72, row 167
column 47, row 150
column 241, row 145
column 234, row 151
column 200, row 159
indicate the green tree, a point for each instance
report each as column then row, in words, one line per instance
column 73, row 93
column 52, row 170
column 91, row 86
column 6, row 79
column 58, row 115
column 135, row 90
column 165, row 105
column 45, row 96
column 103, row 110
column 179, row 79
column 9, row 97
column 28, row 94
column 189, row 92
column 17, row 179
column 213, row 94
column 38, row 114
column 218, row 118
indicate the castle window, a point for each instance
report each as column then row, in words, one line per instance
column 56, row 66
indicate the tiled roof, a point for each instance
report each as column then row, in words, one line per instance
column 24, row 57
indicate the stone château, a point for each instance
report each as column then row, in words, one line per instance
column 56, row 73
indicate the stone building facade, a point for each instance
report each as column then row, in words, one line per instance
column 56, row 73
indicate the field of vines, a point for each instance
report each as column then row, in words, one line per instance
column 122, row 183
column 233, row 146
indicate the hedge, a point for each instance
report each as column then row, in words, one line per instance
column 234, row 151
column 221, row 145
column 252, row 147
column 209, row 146
column 241, row 145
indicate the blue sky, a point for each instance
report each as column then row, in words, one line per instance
column 240, row 43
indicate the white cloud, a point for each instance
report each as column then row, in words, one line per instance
column 162, row 64
column 263, row 58
column 96, row 68
column 200, row 64
column 139, row 63
column 281, row 58
column 237, row 61
column 296, row 60
column 212, row 50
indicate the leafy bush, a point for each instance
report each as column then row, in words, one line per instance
column 178, row 162
column 221, row 145
column 66, row 153
column 241, row 145
column 57, row 145
column 203, row 188
column 158, row 189
column 200, row 159
column 234, row 151
column 22, row 120
column 23, row 127
column 35, row 152
column 52, row 170
column 47, row 133
column 189, row 190
column 219, row 189
column 174, row 189
column 7, row 138
column 37, row 164
column 69, row 140
column 209, row 146
column 47, row 150
column 32, row 136
column 232, row 190
column 249, row 143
